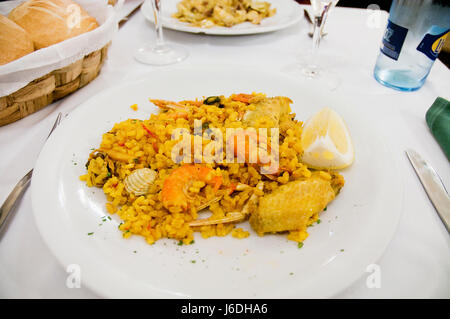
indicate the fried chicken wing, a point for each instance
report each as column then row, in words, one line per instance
column 291, row 206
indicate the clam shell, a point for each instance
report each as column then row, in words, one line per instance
column 139, row 181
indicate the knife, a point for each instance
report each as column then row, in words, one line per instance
column 433, row 186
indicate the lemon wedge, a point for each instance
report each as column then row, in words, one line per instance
column 326, row 141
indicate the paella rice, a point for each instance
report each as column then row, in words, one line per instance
column 158, row 195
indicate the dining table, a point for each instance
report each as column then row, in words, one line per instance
column 415, row 264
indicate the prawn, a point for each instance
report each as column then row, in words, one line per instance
column 174, row 192
column 164, row 104
column 256, row 149
column 252, row 142
column 180, row 110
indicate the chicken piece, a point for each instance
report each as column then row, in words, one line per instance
column 291, row 206
column 254, row 17
column 226, row 17
column 268, row 112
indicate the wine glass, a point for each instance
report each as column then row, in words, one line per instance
column 160, row 53
column 311, row 66
column 320, row 10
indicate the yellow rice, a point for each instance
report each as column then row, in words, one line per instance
column 145, row 215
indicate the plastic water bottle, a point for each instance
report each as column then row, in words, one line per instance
column 415, row 34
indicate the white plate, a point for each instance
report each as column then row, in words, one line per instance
column 361, row 221
column 288, row 14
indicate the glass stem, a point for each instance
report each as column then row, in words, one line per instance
column 160, row 45
column 319, row 22
column 316, row 39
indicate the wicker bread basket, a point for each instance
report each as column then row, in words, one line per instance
column 51, row 87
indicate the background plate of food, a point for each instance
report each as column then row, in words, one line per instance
column 119, row 254
column 223, row 17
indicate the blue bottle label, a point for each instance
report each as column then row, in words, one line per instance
column 393, row 39
column 433, row 42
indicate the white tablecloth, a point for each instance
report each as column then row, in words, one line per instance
column 416, row 264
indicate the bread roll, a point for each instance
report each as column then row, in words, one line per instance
column 14, row 41
column 52, row 21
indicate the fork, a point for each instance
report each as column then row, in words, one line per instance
column 20, row 188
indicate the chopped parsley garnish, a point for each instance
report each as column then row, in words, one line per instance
column 180, row 243
column 193, row 241
column 319, row 221
column 193, row 261
column 325, row 209
column 89, row 234
column 300, row 245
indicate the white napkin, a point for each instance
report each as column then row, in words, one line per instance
column 19, row 73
